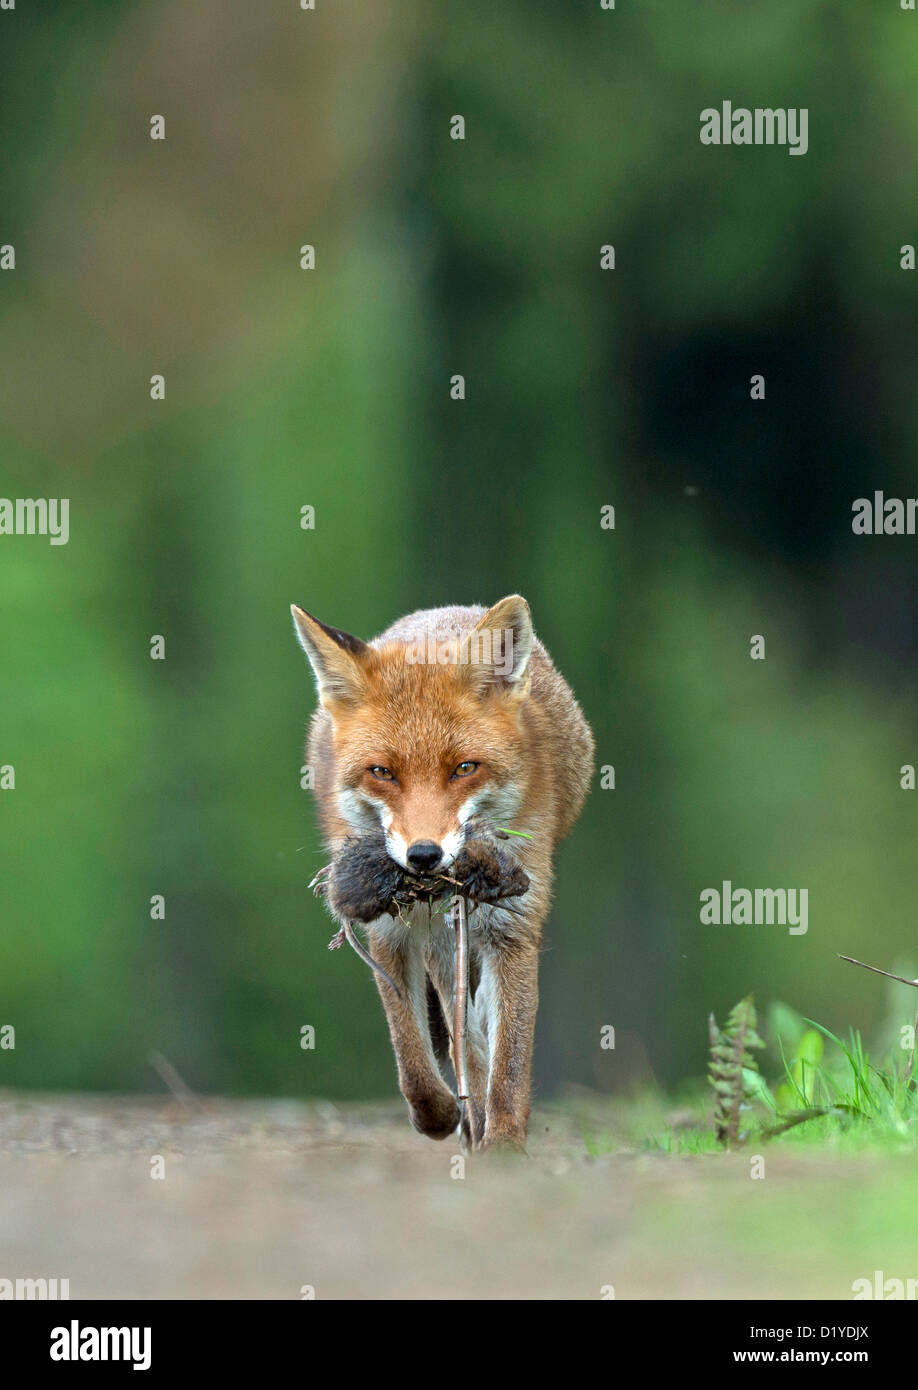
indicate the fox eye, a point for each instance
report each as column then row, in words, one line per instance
column 466, row 769
column 382, row 774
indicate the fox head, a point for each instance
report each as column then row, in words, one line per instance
column 426, row 736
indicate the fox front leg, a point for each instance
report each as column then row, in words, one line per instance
column 433, row 1107
column 510, row 983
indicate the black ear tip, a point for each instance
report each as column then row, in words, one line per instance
column 342, row 639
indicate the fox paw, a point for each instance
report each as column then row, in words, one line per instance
column 504, row 1142
column 435, row 1116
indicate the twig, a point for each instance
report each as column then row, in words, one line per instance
column 171, row 1079
column 902, row 981
column 460, row 922
column 799, row 1117
column 460, row 1016
column 901, row 978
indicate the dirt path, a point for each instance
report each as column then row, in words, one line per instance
column 260, row 1199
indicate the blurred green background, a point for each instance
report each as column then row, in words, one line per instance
column 331, row 388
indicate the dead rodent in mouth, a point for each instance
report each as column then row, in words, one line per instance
column 363, row 879
column 365, row 883
column 488, row 873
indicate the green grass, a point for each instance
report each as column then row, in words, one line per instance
column 826, row 1094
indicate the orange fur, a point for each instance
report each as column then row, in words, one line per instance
column 499, row 739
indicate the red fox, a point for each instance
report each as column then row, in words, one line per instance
column 452, row 715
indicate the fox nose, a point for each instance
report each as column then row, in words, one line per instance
column 424, row 855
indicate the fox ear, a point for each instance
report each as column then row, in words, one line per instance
column 334, row 656
column 496, row 652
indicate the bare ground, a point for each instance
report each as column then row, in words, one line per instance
column 260, row 1199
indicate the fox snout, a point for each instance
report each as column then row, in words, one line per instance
column 424, row 856
column 424, row 852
